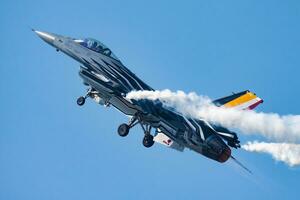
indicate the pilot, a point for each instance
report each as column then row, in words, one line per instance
column 99, row 48
column 107, row 52
column 94, row 45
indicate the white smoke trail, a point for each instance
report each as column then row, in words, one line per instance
column 271, row 125
column 285, row 152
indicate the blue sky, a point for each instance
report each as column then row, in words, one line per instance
column 52, row 149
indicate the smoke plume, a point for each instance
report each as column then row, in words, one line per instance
column 284, row 128
column 285, row 152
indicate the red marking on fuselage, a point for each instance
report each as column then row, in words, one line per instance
column 167, row 142
column 256, row 104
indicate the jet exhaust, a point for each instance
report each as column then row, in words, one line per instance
column 288, row 153
column 285, row 129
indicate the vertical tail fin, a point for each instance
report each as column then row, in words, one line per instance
column 245, row 100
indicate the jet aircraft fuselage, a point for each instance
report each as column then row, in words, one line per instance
column 109, row 81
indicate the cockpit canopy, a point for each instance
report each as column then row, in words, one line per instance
column 96, row 46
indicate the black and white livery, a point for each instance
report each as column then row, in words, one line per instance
column 108, row 82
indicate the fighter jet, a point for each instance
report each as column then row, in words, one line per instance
column 108, row 82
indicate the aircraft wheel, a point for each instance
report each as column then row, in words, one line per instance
column 123, row 130
column 80, row 101
column 148, row 140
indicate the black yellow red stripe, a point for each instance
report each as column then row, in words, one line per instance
column 248, row 96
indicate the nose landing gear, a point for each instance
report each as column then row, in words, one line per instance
column 81, row 101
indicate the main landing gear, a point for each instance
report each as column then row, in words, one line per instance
column 148, row 141
column 148, row 138
column 123, row 131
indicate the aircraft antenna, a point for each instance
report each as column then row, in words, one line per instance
column 241, row 165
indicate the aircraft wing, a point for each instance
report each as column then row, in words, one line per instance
column 245, row 100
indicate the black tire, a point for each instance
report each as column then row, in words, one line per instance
column 80, row 101
column 148, row 141
column 123, row 130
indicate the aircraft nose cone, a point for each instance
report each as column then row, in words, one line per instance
column 47, row 37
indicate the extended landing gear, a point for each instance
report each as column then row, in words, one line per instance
column 93, row 94
column 80, row 101
column 148, row 141
column 123, row 131
column 148, row 138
